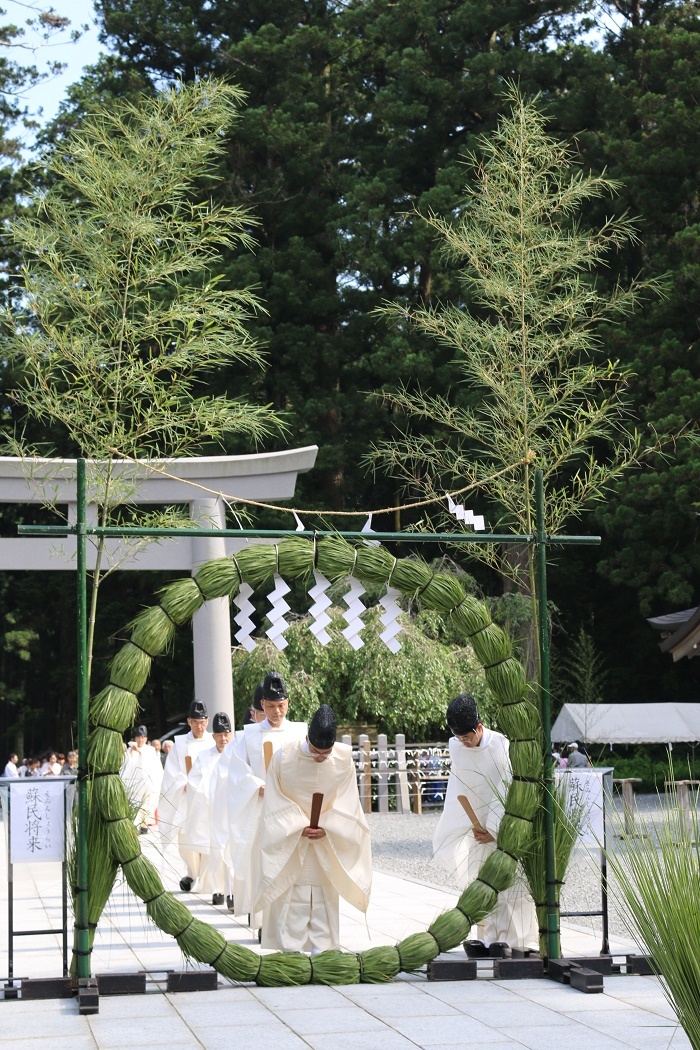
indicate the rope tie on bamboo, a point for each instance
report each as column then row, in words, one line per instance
column 196, row 583
column 485, row 883
column 111, row 729
column 361, row 966
column 215, row 961
column 315, row 550
column 527, row 780
column 151, row 899
column 92, row 926
column 439, row 947
column 516, row 816
column 140, row 648
column 106, row 773
column 423, row 589
column 398, row 952
column 489, row 667
column 524, row 740
column 388, row 581
column 277, row 559
column 311, row 967
column 123, row 687
column 131, row 861
column 513, row 703
column 173, row 622
column 260, row 962
column 185, row 928
column 508, row 854
column 78, row 950
column 466, row 914
column 238, row 569
column 478, row 630
column 113, row 820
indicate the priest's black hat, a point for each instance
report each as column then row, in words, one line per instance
column 198, row 710
column 221, row 723
column 323, row 728
column 257, row 697
column 463, row 714
column 141, row 731
column 274, row 687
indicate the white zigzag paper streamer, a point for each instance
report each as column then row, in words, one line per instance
column 243, row 617
column 318, row 609
column 467, row 516
column 277, row 613
column 353, row 614
column 390, row 619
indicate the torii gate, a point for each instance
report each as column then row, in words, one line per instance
column 268, row 477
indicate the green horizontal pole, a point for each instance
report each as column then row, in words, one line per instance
column 404, row 537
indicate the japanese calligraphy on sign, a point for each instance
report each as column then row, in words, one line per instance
column 37, row 820
column 585, row 794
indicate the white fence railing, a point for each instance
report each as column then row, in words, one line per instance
column 393, row 778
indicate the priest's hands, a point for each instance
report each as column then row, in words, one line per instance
column 261, row 791
column 482, row 836
column 313, row 833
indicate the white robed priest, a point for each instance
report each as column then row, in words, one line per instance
column 311, row 855
column 172, row 807
column 250, row 756
column 480, row 773
column 142, row 774
column 196, row 831
column 219, row 795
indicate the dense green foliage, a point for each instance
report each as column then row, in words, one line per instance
column 357, row 114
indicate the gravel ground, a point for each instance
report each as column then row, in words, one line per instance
column 402, row 845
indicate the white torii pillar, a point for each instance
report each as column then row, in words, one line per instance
column 203, row 483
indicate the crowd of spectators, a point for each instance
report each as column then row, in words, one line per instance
column 51, row 764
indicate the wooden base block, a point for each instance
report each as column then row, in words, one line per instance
column 449, row 967
column 47, row 988
column 639, row 965
column 121, row 983
column 585, row 980
column 88, row 996
column 513, row 969
column 193, row 981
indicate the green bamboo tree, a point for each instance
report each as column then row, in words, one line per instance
column 121, row 312
column 538, row 390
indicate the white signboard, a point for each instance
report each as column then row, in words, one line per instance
column 584, row 794
column 37, row 819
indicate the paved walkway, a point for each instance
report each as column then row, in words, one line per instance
column 406, row 1014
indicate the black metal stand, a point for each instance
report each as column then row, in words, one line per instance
column 7, row 783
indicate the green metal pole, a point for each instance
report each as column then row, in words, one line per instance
column 553, row 931
column 81, row 897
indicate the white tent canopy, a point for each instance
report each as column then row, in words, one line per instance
column 628, row 723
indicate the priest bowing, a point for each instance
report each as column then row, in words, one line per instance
column 314, row 842
column 467, row 830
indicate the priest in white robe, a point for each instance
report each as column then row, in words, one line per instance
column 219, row 795
column 197, row 828
column 309, row 859
column 247, row 772
column 142, row 774
column 480, row 772
column 172, row 807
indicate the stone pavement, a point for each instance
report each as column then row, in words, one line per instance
column 405, row 1014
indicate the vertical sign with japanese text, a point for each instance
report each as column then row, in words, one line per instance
column 37, row 820
column 585, row 790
